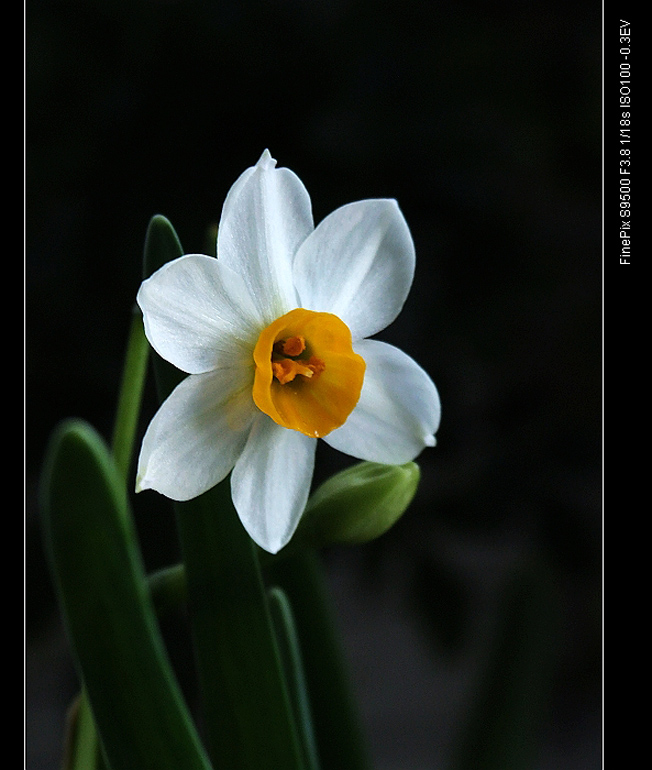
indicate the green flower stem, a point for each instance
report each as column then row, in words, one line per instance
column 248, row 718
column 136, row 701
column 336, row 722
column 130, row 398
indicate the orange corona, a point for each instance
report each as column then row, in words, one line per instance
column 308, row 378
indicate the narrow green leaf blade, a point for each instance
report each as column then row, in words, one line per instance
column 245, row 702
column 131, row 392
column 139, row 711
column 336, row 722
column 162, row 245
column 81, row 748
column 288, row 641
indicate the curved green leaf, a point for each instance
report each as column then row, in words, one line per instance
column 139, row 711
column 244, row 698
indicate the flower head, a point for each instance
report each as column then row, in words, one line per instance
column 273, row 335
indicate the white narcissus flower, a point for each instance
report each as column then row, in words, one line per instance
column 272, row 334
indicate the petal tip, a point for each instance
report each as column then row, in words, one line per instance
column 266, row 162
column 272, row 548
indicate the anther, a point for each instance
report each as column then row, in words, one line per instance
column 293, row 346
column 286, row 369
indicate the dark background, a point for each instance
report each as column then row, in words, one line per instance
column 479, row 614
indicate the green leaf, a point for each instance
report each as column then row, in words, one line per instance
column 244, row 698
column 288, row 641
column 168, row 590
column 336, row 722
column 138, row 708
column 245, row 702
column 81, row 749
column 162, row 245
column 131, row 391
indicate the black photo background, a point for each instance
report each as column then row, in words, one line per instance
column 473, row 627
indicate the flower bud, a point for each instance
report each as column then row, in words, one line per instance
column 359, row 504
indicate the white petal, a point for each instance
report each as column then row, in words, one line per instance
column 196, row 436
column 265, row 217
column 271, row 481
column 358, row 264
column 398, row 411
column 197, row 313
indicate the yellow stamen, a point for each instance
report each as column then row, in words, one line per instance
column 307, row 376
column 316, row 365
column 286, row 370
column 293, row 346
